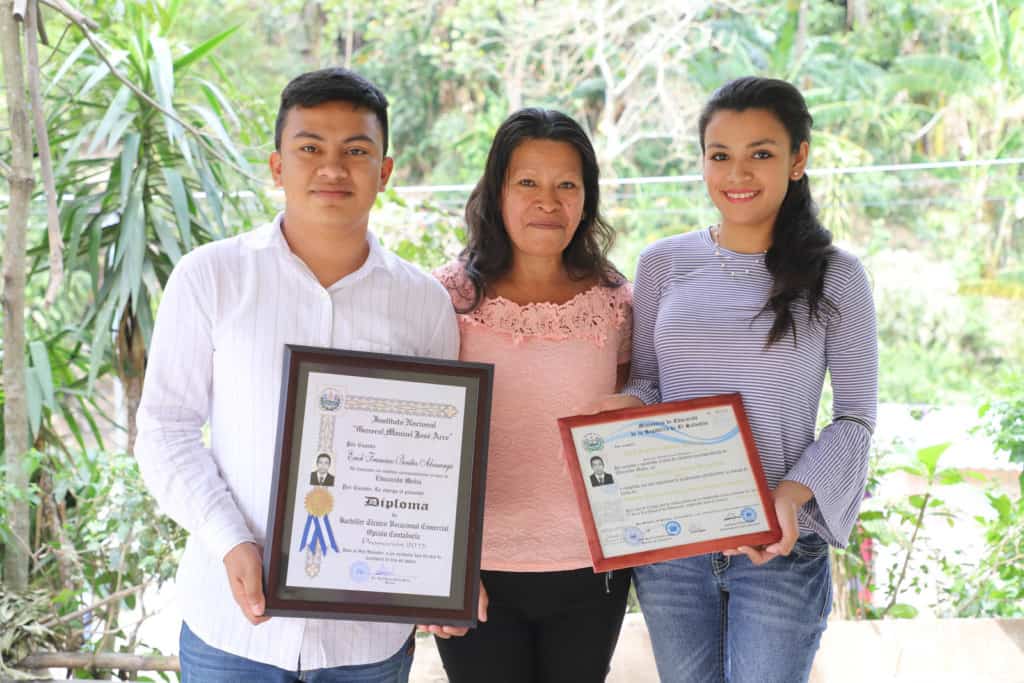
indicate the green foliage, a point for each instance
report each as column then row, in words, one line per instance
column 896, row 524
column 986, row 581
column 138, row 190
column 1005, row 425
column 992, row 584
column 418, row 231
column 10, row 495
column 119, row 541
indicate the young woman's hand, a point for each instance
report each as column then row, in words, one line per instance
column 448, row 631
column 789, row 497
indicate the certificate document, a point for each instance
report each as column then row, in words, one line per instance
column 394, row 486
column 378, row 485
column 667, row 481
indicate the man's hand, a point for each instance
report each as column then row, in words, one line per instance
column 789, row 498
column 609, row 402
column 449, row 631
column 244, row 565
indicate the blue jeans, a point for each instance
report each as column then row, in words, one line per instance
column 714, row 618
column 201, row 663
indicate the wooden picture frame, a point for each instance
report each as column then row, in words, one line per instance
column 376, row 509
column 679, row 537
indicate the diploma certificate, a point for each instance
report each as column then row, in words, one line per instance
column 378, row 488
column 667, row 481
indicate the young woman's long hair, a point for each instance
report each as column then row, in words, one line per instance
column 488, row 252
column 801, row 245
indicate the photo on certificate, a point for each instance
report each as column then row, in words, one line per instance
column 666, row 481
column 376, row 510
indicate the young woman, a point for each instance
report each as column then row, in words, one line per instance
column 762, row 304
column 536, row 296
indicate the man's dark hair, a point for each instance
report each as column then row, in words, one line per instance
column 597, row 458
column 331, row 85
column 323, row 455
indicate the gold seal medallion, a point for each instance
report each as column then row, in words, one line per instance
column 319, row 502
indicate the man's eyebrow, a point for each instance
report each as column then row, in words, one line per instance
column 361, row 137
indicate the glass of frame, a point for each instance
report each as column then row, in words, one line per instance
column 377, row 501
column 669, row 480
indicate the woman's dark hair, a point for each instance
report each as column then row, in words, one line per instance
column 488, row 252
column 801, row 246
column 333, row 84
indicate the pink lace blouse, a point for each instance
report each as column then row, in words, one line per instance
column 549, row 360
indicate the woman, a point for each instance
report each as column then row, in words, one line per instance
column 762, row 304
column 536, row 296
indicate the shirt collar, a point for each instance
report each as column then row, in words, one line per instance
column 269, row 236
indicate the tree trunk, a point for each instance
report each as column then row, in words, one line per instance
column 313, row 19
column 802, row 20
column 1003, row 232
column 68, row 565
column 856, row 14
column 350, row 32
column 21, row 181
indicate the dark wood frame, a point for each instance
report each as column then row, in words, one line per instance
column 460, row 607
column 579, row 480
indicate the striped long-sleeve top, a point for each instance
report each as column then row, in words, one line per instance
column 699, row 330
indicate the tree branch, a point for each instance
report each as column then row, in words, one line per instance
column 84, row 25
column 45, row 158
column 99, row 660
column 41, row 25
column 906, row 559
column 119, row 595
column 71, row 13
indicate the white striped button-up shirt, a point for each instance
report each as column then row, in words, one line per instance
column 216, row 356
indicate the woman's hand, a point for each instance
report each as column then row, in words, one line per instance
column 789, row 497
column 442, row 631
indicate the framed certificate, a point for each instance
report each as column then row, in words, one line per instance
column 666, row 481
column 377, row 500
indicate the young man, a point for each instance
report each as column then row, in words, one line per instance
column 314, row 276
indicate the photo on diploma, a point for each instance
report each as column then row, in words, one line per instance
column 376, row 508
column 666, row 481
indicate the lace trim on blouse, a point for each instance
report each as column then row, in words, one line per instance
column 590, row 315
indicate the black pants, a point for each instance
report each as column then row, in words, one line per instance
column 542, row 627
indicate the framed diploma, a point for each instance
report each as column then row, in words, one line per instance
column 666, row 481
column 378, row 488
